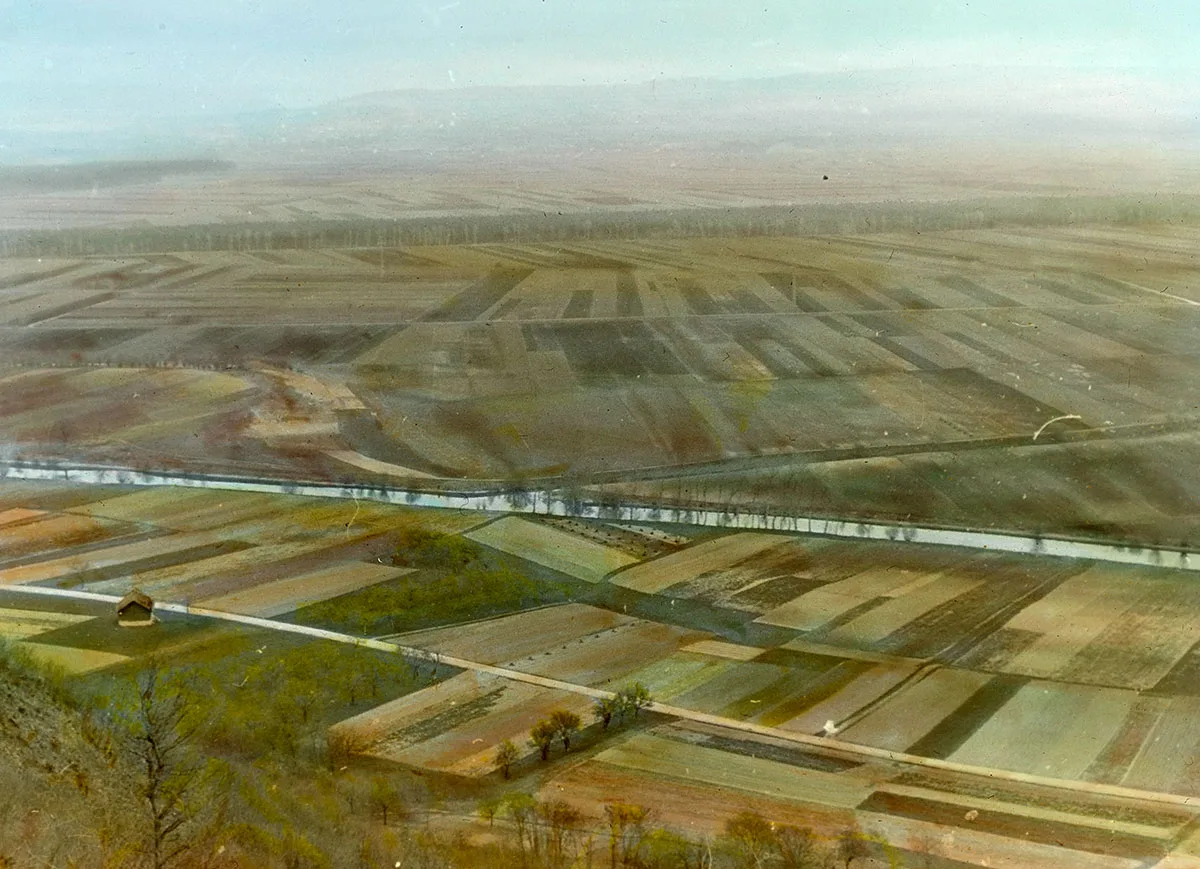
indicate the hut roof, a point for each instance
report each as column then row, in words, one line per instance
column 135, row 596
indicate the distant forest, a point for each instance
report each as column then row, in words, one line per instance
column 525, row 227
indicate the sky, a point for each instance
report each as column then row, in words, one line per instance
column 70, row 63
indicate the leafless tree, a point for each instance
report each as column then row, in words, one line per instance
column 163, row 737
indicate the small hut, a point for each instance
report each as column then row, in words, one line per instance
column 136, row 610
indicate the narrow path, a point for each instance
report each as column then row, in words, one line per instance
column 818, row 742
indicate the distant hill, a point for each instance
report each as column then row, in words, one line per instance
column 100, row 174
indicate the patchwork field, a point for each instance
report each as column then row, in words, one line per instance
column 889, row 375
column 1101, row 628
column 1063, row 669
column 250, row 553
column 697, row 776
column 575, row 643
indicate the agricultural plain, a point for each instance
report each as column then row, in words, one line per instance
column 980, row 373
column 1033, row 378
column 784, row 664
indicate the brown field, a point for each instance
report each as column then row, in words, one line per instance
column 252, row 553
column 287, row 595
column 699, row 560
column 456, row 725
column 679, row 760
column 574, row 643
column 895, row 375
column 517, row 636
column 1106, row 626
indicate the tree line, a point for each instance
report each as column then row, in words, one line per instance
column 523, row 228
column 554, row 834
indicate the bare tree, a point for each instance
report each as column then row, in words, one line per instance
column 386, row 798
column 749, row 839
column 851, row 846
column 521, row 808
column 626, row 831
column 487, row 809
column 797, row 847
column 561, row 820
column 162, row 737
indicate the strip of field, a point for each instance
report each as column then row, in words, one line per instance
column 822, row 605
column 16, row 624
column 772, row 688
column 721, row 649
column 1163, row 831
column 177, row 582
column 1166, row 759
column 519, row 635
column 865, row 689
column 1049, row 729
column 396, row 715
column 994, row 819
column 605, row 658
column 164, row 504
column 550, row 547
column 877, row 623
column 469, row 750
column 54, row 532
column 135, row 553
column 19, row 514
column 1071, row 621
column 286, row 595
column 687, row 564
column 679, row 804
column 967, row 845
column 455, row 726
column 1140, row 648
column 679, row 760
column 901, row 720
column 804, row 645
column 375, row 466
column 1071, row 597
column 73, row 660
column 680, row 673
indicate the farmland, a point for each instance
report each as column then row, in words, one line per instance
column 899, row 646
column 1038, row 377
column 887, row 376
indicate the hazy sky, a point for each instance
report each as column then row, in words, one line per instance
column 68, row 61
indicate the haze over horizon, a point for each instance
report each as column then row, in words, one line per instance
column 72, row 68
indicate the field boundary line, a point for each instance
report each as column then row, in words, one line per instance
column 820, row 742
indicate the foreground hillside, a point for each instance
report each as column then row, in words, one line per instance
column 69, row 789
